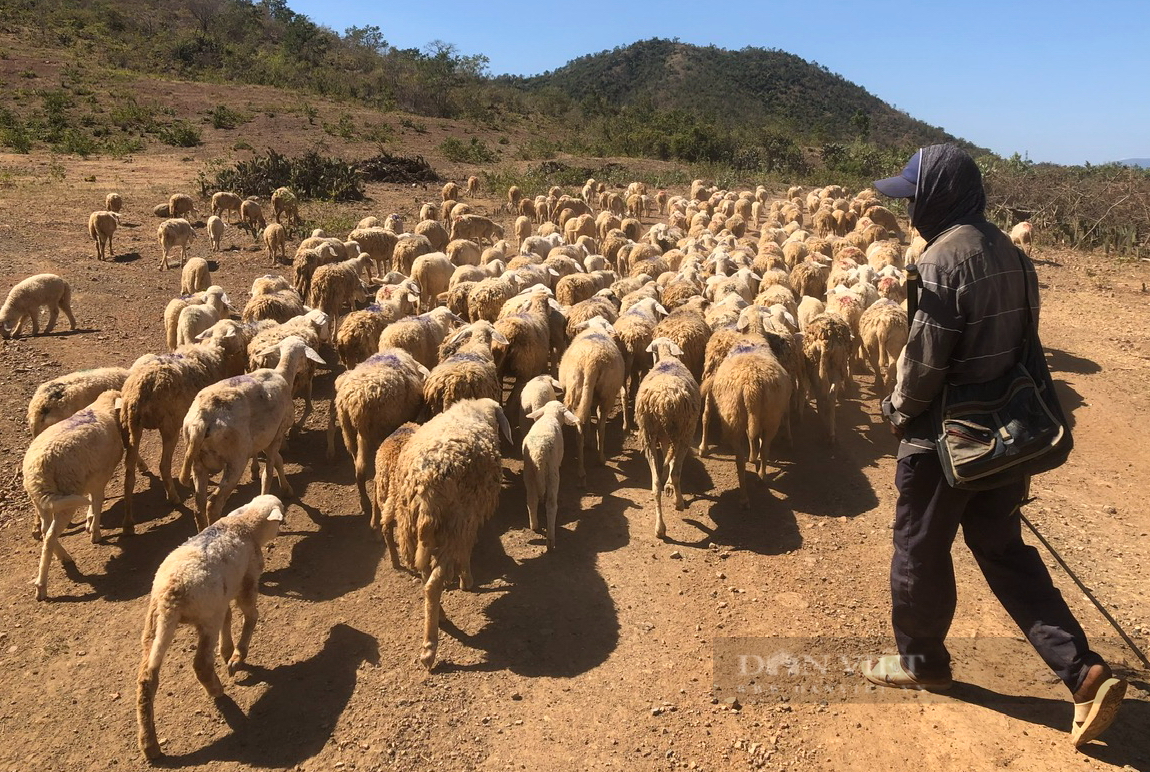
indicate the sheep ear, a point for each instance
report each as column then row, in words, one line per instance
column 459, row 335
column 423, row 370
column 500, row 338
column 553, row 303
column 675, row 349
column 790, row 319
column 651, row 346
column 552, row 271
column 412, row 298
column 570, row 418
column 204, row 335
column 660, row 309
column 555, row 384
column 118, row 404
column 742, row 324
column 276, row 515
column 269, row 350
column 535, row 414
column 314, row 356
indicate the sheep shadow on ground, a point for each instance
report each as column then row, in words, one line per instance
column 294, row 719
column 126, row 257
column 554, row 616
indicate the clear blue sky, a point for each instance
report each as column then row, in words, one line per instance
column 1064, row 82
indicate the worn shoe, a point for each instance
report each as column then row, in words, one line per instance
column 1096, row 704
column 887, row 670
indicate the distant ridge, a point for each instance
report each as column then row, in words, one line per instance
column 1141, row 163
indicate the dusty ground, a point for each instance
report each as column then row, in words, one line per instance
column 596, row 656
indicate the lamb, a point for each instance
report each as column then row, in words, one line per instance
column 196, row 585
column 883, row 332
column 472, row 186
column 826, row 352
column 446, row 487
column 336, row 285
column 113, row 202
column 542, row 456
column 171, row 234
column 809, row 308
column 180, row 203
column 224, row 202
column 195, row 319
column 101, row 226
column 67, row 466
column 536, row 393
column 667, row 408
column 469, row 372
column 275, row 242
column 215, row 228
column 285, row 204
column 25, row 299
column 476, row 228
column 57, row 399
column 370, row 402
column 196, row 277
column 230, row 422
column 421, row 335
column 159, row 390
column 592, row 372
column 751, row 392
column 1021, row 235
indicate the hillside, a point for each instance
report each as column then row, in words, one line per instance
column 768, row 87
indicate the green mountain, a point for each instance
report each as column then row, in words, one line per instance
column 770, row 88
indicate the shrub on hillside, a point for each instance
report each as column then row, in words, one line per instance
column 474, row 152
column 309, row 176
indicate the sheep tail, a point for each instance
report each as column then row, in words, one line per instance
column 426, row 530
column 824, row 362
column 55, row 502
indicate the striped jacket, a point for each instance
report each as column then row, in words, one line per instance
column 969, row 325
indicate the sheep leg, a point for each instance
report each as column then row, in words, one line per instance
column 131, row 461
column 53, row 313
column 168, row 450
column 94, row 511
column 246, row 601
column 163, row 266
column 202, row 480
column 740, row 464
column 657, row 491
column 228, row 482
column 205, row 661
column 675, row 460
column 52, row 524
column 275, row 459
column 227, row 647
column 466, row 580
column 35, row 317
column 706, row 418
column 157, row 639
column 331, row 432
column 307, row 408
column 363, row 464
column 387, row 528
column 432, row 592
column 552, row 512
column 531, row 486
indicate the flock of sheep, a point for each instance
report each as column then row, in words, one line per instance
column 685, row 323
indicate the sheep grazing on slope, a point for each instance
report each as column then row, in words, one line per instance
column 275, row 242
column 370, row 401
column 196, row 584
column 592, row 372
column 1021, row 236
column 171, row 234
column 67, row 466
column 60, row 397
column 447, row 485
column 101, row 226
column 883, row 332
column 477, row 228
column 827, row 352
column 158, row 392
column 113, row 202
column 216, row 228
column 285, row 204
column 232, row 421
column 667, row 408
column 25, row 299
column 224, row 202
column 751, row 392
column 196, row 277
column 542, row 456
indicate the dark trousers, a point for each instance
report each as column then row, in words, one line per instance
column 927, row 517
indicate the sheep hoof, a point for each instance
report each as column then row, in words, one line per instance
column 152, row 751
column 427, row 656
column 233, row 664
column 41, row 592
column 97, row 536
column 173, row 498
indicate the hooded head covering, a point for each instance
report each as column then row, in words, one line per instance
column 947, row 192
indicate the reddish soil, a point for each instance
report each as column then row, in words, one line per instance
column 598, row 655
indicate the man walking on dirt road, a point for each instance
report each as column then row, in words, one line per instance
column 968, row 329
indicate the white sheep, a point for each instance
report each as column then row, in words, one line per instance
column 232, row 421
column 195, row 319
column 336, row 285
column 592, row 373
column 25, row 299
column 195, row 277
column 1021, row 235
column 421, row 335
column 171, row 234
column 432, row 272
column 447, row 485
column 215, row 228
column 667, row 408
column 55, row 400
column 542, row 456
column 536, row 393
column 196, row 584
column 113, row 202
column 67, row 466
column 827, row 350
column 285, row 204
column 224, row 202
column 883, row 332
column 101, row 226
column 468, row 372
